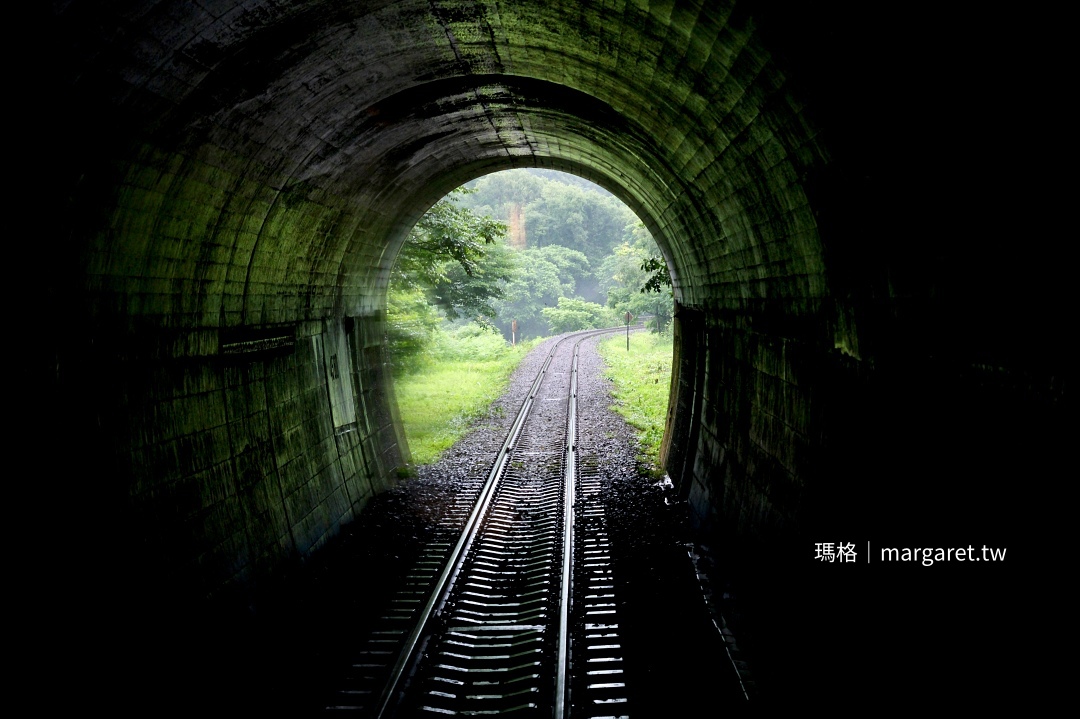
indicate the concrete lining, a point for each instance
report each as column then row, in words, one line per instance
column 866, row 346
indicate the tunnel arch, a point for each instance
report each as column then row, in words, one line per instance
column 598, row 154
column 257, row 169
column 240, row 174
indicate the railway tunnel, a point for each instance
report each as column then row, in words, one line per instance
column 869, row 330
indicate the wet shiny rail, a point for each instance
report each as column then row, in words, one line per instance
column 515, row 613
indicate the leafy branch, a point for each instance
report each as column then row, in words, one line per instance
column 659, row 277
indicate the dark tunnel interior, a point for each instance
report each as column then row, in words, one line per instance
column 857, row 206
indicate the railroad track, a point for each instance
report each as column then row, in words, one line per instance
column 511, row 607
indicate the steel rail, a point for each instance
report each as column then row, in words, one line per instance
column 562, row 685
column 441, row 590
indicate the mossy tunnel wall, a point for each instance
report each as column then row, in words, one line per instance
column 866, row 348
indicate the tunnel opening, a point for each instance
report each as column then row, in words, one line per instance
column 853, row 363
column 567, row 256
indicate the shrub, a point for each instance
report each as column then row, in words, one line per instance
column 571, row 315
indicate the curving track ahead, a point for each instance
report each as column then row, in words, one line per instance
column 512, row 608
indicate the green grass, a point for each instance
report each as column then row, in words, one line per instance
column 642, row 379
column 443, row 395
column 440, row 398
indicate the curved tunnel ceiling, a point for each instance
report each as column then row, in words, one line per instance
column 871, row 324
column 369, row 112
column 253, row 164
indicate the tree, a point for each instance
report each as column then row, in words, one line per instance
column 659, row 282
column 659, row 275
column 413, row 324
column 622, row 278
column 591, row 221
column 538, row 283
column 455, row 257
column 451, row 266
column 580, row 242
column 635, row 278
column 571, row 314
column 495, row 193
column 573, row 266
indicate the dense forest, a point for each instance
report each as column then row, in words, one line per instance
column 539, row 250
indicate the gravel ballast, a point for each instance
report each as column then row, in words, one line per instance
column 676, row 654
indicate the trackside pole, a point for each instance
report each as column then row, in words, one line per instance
column 628, row 318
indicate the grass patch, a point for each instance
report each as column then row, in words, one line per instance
column 440, row 397
column 642, row 379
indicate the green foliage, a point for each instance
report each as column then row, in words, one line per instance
column 473, row 295
column 658, row 286
column 622, row 277
column 571, row 315
column 538, row 283
column 560, row 210
column 642, row 379
column 659, row 276
column 591, row 221
column 455, row 256
column 627, row 273
column 470, row 342
column 413, row 325
column 497, row 192
column 581, row 243
column 573, row 266
column 453, row 387
column 451, row 266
